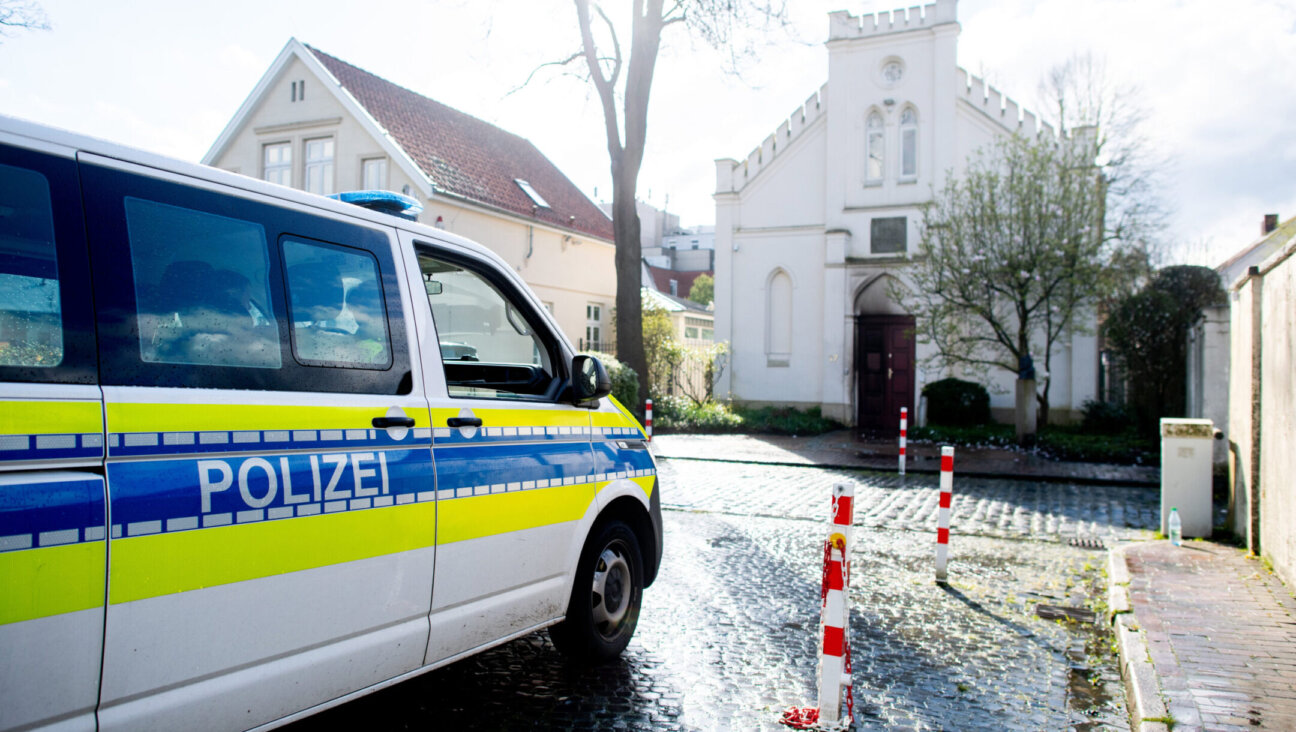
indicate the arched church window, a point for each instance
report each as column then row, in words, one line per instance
column 909, row 143
column 874, row 149
column 778, row 319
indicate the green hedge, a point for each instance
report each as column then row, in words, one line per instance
column 625, row 382
column 678, row 414
column 1057, row 443
column 957, row 403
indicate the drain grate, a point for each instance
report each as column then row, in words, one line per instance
column 1087, row 542
column 1068, row 612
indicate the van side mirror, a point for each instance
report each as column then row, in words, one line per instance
column 589, row 379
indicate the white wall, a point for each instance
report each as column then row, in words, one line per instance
column 1208, row 374
column 753, row 375
column 1263, row 336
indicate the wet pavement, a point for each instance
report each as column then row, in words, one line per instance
column 846, row 449
column 982, row 506
column 1220, row 632
column 727, row 635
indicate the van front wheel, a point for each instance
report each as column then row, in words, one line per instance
column 604, row 606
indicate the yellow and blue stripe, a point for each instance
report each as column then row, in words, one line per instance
column 52, row 549
column 50, row 430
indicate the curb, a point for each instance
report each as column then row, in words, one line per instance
column 1142, row 685
column 913, row 470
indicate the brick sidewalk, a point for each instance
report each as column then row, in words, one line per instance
column 1221, row 631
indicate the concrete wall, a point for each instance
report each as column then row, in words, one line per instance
column 1264, row 338
column 1208, row 375
column 567, row 271
column 1243, row 454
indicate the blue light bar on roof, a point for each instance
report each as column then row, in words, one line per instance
column 383, row 201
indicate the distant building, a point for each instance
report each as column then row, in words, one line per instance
column 317, row 123
column 672, row 253
column 817, row 226
column 692, row 323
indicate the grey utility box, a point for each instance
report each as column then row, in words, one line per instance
column 1186, row 446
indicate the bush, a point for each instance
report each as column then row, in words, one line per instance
column 1071, row 443
column 786, row 421
column 957, row 403
column 625, row 382
column 1103, row 418
column 679, row 414
column 1054, row 442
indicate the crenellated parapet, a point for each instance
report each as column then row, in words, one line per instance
column 1003, row 110
column 732, row 175
column 842, row 25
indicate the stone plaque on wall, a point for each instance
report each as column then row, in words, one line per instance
column 888, row 236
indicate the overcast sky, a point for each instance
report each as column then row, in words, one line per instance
column 1217, row 78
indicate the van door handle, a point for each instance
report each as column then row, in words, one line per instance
column 463, row 422
column 385, row 422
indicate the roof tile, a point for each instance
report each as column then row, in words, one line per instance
column 470, row 158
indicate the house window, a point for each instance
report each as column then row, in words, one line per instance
column 373, row 174
column 593, row 325
column 278, row 163
column 909, row 143
column 874, row 149
column 690, row 332
column 674, row 288
column 319, row 165
column 298, row 91
column 888, row 235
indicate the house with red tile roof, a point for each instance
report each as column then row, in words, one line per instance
column 320, row 124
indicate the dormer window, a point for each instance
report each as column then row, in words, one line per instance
column 535, row 197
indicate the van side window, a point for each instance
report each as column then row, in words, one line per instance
column 336, row 305
column 31, row 323
column 489, row 347
column 202, row 287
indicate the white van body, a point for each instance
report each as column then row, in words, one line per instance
column 239, row 482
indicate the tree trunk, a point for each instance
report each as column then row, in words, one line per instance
column 626, row 160
column 629, row 302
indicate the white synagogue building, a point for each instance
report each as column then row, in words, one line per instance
column 818, row 221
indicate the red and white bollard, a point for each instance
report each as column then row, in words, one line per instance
column 648, row 419
column 834, row 652
column 834, row 657
column 904, row 434
column 943, row 514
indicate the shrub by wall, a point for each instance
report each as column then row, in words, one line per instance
column 625, row 382
column 957, row 403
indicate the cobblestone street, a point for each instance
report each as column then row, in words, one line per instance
column 728, row 632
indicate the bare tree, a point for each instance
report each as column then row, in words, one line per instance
column 1078, row 95
column 1011, row 257
column 623, row 79
column 18, row 15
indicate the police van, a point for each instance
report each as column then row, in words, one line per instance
column 242, row 479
